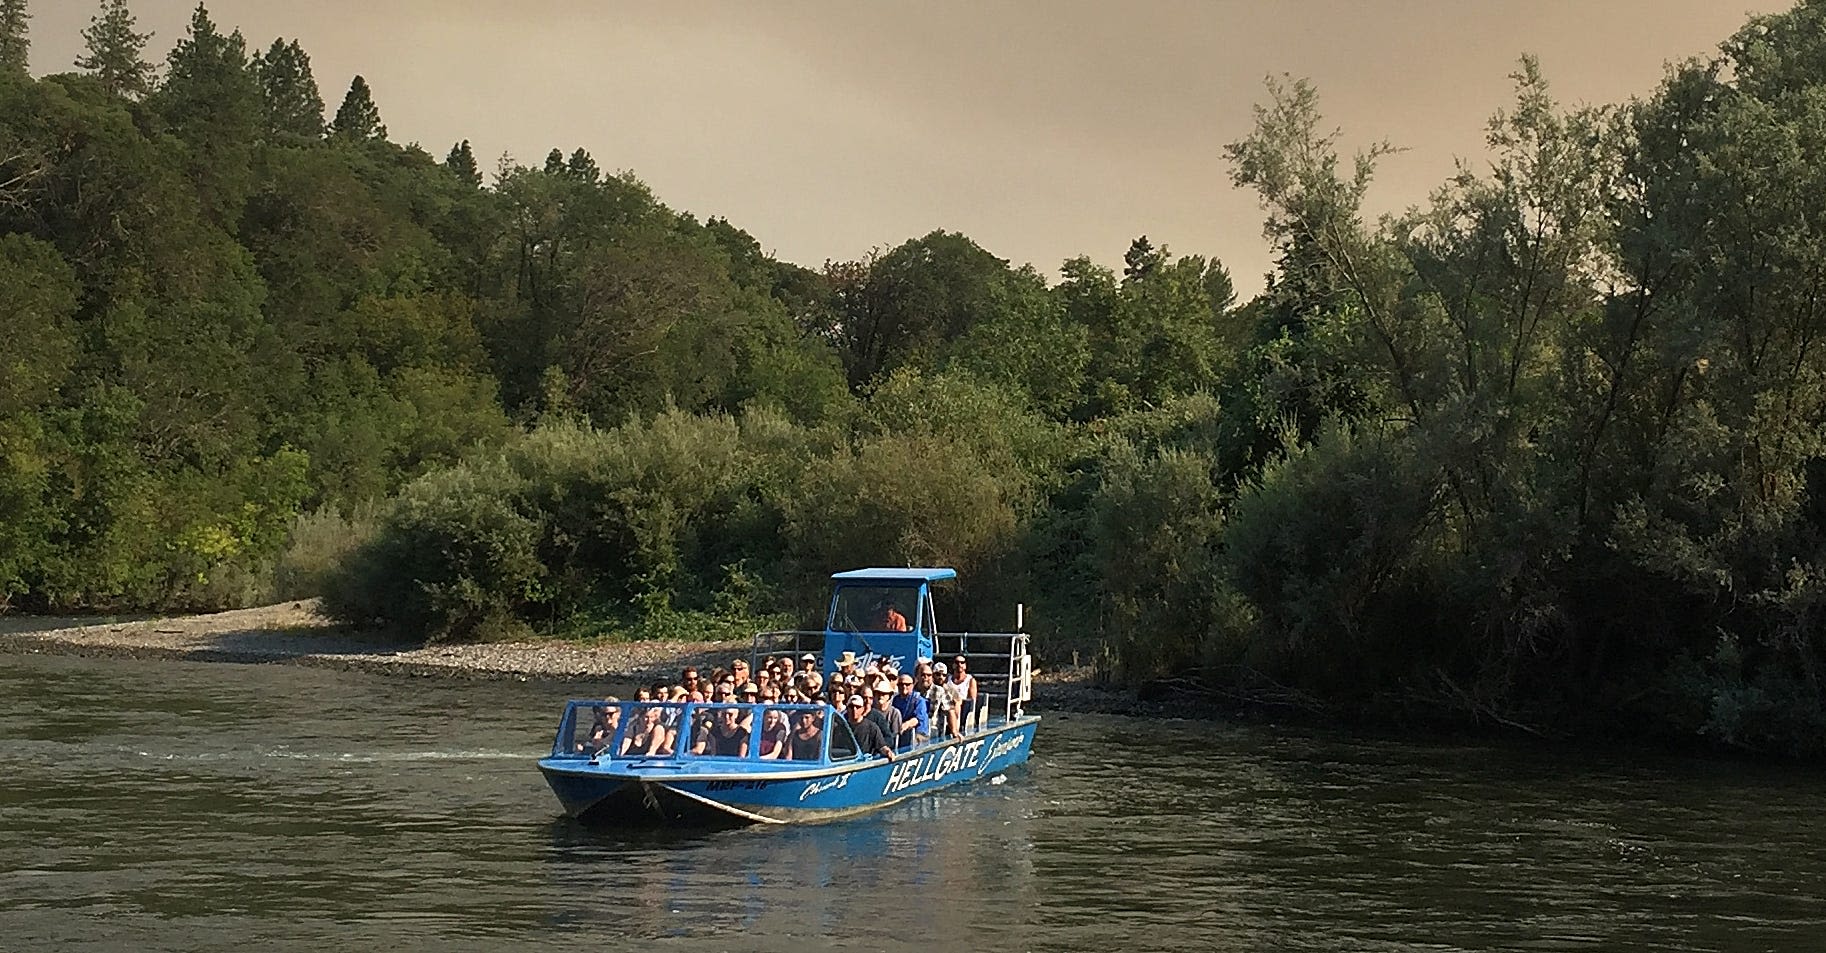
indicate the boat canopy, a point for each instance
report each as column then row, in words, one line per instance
column 891, row 574
column 882, row 614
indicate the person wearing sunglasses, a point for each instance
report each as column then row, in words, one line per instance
column 915, row 727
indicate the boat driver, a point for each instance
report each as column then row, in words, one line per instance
column 888, row 618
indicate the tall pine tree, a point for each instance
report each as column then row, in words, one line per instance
column 358, row 118
column 582, row 167
column 211, row 101
column 291, row 102
column 15, row 40
column 207, row 80
column 462, row 161
column 114, row 51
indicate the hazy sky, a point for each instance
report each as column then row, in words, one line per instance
column 1043, row 130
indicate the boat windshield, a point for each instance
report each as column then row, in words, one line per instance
column 874, row 608
column 647, row 731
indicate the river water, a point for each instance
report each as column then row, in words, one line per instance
column 176, row 806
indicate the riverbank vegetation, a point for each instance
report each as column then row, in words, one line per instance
column 1545, row 451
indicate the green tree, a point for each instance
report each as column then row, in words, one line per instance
column 462, row 161
column 582, row 167
column 37, row 302
column 291, row 102
column 15, row 37
column 902, row 308
column 1141, row 259
column 211, row 100
column 358, row 119
column 114, row 51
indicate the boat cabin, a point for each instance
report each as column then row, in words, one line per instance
column 882, row 615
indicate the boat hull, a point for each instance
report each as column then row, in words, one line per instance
column 666, row 795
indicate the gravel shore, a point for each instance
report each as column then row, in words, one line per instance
column 297, row 633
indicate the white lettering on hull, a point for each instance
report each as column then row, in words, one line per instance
column 940, row 765
column 824, row 784
column 999, row 747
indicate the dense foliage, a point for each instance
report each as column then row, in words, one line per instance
column 1546, row 451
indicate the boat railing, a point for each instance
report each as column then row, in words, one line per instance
column 1000, row 662
column 1002, row 667
column 791, row 642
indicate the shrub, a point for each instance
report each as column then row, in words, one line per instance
column 319, row 543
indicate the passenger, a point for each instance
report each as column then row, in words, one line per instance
column 846, row 665
column 773, row 734
column 941, row 702
column 738, row 670
column 669, row 713
column 963, row 684
column 646, row 736
column 884, row 713
column 888, row 618
column 700, row 723
column 868, row 734
column 725, row 738
column 915, row 723
column 807, row 740
column 689, row 679
column 751, row 695
column 643, row 694
column 602, row 728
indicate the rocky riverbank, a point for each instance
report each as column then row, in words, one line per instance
column 297, row 633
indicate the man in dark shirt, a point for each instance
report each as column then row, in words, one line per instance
column 883, row 712
column 868, row 734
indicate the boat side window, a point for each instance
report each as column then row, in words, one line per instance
column 843, row 743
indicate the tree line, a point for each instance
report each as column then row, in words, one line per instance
column 1544, row 451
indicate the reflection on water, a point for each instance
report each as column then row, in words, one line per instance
column 173, row 806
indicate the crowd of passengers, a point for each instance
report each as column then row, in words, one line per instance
column 887, row 710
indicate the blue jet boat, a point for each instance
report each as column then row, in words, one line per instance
column 601, row 773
